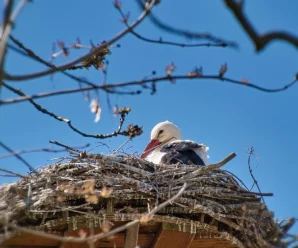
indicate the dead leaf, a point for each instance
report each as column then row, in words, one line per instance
column 105, row 192
column 95, row 108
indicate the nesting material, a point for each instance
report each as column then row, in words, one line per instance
column 92, row 184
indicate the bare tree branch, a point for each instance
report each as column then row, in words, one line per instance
column 86, row 56
column 143, row 83
column 171, row 43
column 131, row 131
column 31, row 54
column 19, row 157
column 260, row 41
column 181, row 32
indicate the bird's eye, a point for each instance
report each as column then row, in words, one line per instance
column 160, row 132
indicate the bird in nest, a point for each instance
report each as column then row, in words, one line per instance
column 166, row 147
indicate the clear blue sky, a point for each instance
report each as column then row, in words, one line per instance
column 225, row 117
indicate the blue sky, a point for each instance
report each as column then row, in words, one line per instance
column 228, row 118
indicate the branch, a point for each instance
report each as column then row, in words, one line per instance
column 204, row 169
column 102, row 235
column 65, row 146
column 17, row 156
column 251, row 152
column 260, row 41
column 143, row 83
column 32, row 55
column 187, row 34
column 131, row 130
column 13, row 173
column 7, row 26
column 45, row 149
column 162, row 42
column 86, row 56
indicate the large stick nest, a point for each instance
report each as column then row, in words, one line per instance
column 87, row 183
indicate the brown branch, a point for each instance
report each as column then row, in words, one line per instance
column 260, row 41
column 185, row 33
column 102, row 235
column 131, row 131
column 17, row 156
column 243, row 184
column 86, row 56
column 143, row 82
column 171, row 43
column 204, row 169
column 45, row 149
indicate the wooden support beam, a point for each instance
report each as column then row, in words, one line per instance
column 78, row 233
column 131, row 237
column 29, row 240
column 26, row 246
column 202, row 218
column 110, row 206
column 173, row 239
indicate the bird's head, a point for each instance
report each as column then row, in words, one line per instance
column 161, row 134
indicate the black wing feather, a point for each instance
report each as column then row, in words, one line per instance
column 180, row 146
column 181, row 152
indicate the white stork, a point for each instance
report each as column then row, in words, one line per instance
column 166, row 147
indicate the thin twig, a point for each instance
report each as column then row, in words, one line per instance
column 13, row 173
column 171, row 43
column 68, row 122
column 19, row 157
column 123, row 144
column 185, row 33
column 65, row 146
column 45, row 149
column 251, row 152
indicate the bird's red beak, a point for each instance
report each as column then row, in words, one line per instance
column 150, row 147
